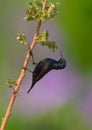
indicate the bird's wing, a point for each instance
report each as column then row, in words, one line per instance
column 40, row 66
column 41, row 71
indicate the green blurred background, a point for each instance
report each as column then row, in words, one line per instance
column 66, row 104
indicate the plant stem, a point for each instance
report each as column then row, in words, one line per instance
column 21, row 76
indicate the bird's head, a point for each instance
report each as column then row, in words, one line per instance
column 62, row 61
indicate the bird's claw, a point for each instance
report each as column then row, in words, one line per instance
column 24, row 68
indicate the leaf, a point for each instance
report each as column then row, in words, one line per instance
column 52, row 10
column 11, row 83
column 43, row 40
column 34, row 11
column 52, row 45
column 22, row 38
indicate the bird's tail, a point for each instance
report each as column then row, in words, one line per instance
column 30, row 88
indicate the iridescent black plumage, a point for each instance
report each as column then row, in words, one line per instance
column 44, row 66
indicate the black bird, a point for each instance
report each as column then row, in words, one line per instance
column 44, row 66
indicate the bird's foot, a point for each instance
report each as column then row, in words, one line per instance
column 27, row 69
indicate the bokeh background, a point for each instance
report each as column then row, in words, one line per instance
column 62, row 100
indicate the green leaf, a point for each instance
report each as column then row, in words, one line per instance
column 22, row 38
column 34, row 11
column 43, row 37
column 43, row 40
column 11, row 83
column 52, row 10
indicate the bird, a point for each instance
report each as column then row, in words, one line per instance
column 43, row 67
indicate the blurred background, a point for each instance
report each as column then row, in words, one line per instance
column 62, row 100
